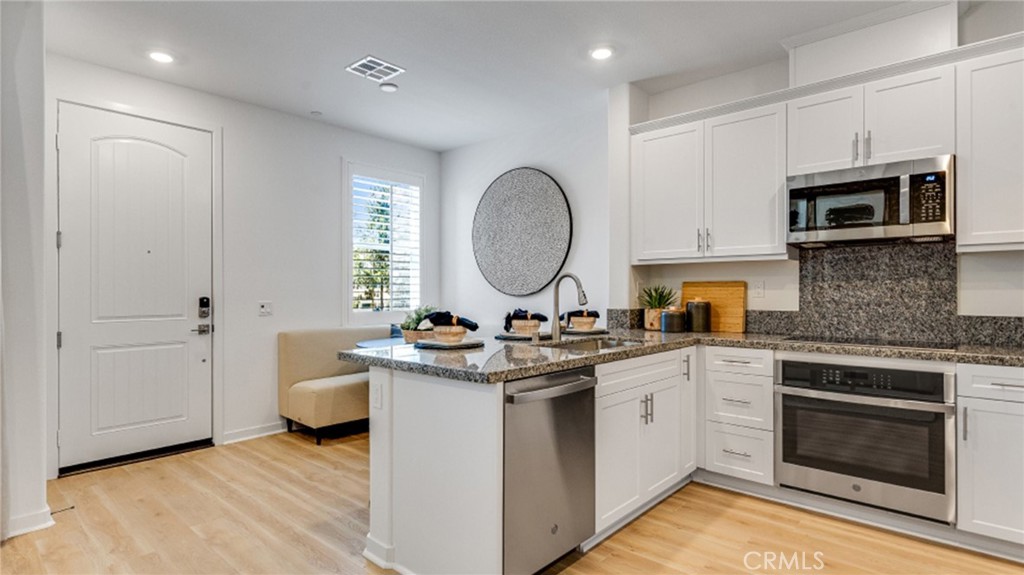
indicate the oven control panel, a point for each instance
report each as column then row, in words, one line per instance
column 881, row 382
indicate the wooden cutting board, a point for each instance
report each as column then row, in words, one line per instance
column 728, row 303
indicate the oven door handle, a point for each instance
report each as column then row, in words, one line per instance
column 945, row 408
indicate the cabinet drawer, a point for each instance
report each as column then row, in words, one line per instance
column 629, row 373
column 990, row 382
column 739, row 399
column 736, row 360
column 740, row 452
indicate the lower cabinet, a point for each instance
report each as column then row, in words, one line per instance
column 740, row 452
column 644, row 440
column 990, row 452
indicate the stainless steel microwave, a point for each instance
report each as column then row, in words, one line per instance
column 901, row 200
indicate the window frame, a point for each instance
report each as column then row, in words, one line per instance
column 351, row 168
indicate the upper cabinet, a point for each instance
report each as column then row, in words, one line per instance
column 668, row 193
column 712, row 189
column 745, row 183
column 990, row 153
column 901, row 118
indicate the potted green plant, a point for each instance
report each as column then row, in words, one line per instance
column 410, row 327
column 654, row 299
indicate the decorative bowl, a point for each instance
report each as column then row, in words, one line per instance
column 449, row 333
column 414, row 335
column 526, row 326
column 583, row 323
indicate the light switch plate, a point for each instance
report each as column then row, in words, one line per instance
column 266, row 308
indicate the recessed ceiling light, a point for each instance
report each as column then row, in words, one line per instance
column 602, row 53
column 162, row 57
column 388, row 87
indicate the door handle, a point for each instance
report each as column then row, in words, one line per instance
column 203, row 329
column 645, row 412
column 700, row 239
column 652, row 407
column 707, row 238
column 867, row 146
column 965, row 423
column 686, row 360
column 856, row 147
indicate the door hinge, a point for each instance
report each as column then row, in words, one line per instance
column 60, row 239
column 60, row 339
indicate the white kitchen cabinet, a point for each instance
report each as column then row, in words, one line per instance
column 740, row 452
column 990, row 451
column 906, row 117
column 739, row 399
column 644, row 439
column 745, row 183
column 667, row 191
column 990, row 152
column 824, row 131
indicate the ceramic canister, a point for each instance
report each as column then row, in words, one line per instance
column 698, row 315
column 672, row 320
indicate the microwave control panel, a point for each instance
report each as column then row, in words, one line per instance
column 928, row 197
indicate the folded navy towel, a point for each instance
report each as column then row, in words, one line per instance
column 580, row 313
column 522, row 314
column 439, row 318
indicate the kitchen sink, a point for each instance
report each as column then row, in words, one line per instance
column 597, row 344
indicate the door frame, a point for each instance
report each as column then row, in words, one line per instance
column 54, row 98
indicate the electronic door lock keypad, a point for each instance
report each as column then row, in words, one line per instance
column 204, row 307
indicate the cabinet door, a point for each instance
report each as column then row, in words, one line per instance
column 990, row 151
column 667, row 191
column 910, row 116
column 990, row 465
column 825, row 131
column 745, row 183
column 688, row 412
column 660, row 463
column 617, row 455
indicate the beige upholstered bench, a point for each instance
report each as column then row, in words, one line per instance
column 315, row 389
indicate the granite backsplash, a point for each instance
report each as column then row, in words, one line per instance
column 901, row 291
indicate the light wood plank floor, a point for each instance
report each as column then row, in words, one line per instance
column 280, row 504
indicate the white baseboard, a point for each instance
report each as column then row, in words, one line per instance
column 379, row 554
column 23, row 524
column 253, row 432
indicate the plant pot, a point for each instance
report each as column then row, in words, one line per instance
column 414, row 335
column 652, row 319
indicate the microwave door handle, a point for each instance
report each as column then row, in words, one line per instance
column 905, row 199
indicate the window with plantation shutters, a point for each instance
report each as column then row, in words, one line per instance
column 385, row 245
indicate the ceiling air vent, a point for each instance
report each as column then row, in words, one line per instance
column 374, row 69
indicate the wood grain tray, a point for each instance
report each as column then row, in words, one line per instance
column 728, row 303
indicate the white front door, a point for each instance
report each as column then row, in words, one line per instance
column 135, row 215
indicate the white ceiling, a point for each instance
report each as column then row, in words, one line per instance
column 476, row 70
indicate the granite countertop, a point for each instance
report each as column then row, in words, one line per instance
column 505, row 361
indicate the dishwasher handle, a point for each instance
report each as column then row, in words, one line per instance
column 583, row 383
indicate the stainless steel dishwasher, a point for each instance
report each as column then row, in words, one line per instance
column 549, row 468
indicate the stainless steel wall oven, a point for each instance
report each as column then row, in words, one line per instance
column 882, row 436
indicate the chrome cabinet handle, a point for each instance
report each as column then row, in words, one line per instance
column 652, row 407
column 1013, row 385
column 707, row 238
column 740, row 401
column 686, row 360
column 644, row 413
column 700, row 238
column 856, row 148
column 736, row 361
column 867, row 146
column 965, row 423
column 736, row 453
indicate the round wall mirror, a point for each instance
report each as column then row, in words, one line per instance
column 522, row 231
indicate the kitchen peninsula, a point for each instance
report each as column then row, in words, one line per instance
column 437, row 431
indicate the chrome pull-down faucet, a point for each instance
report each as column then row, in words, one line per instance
column 556, row 326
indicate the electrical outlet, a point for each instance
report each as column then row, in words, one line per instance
column 266, row 308
column 757, row 289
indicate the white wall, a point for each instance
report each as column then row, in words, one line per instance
column 755, row 81
column 990, row 19
column 573, row 152
column 21, row 207
column 281, row 219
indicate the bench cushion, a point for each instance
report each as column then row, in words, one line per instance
column 330, row 400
